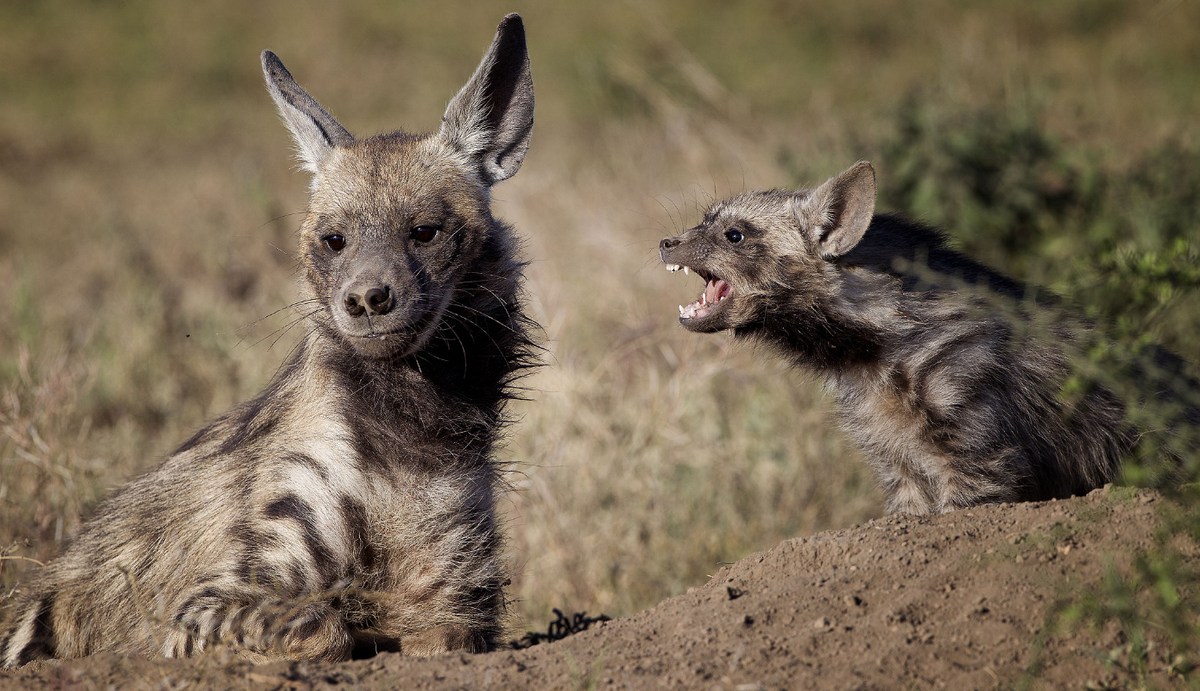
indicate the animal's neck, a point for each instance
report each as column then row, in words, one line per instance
column 824, row 345
column 481, row 343
column 818, row 333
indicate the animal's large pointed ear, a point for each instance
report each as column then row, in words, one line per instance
column 315, row 130
column 837, row 213
column 491, row 118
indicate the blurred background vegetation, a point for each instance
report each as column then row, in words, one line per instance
column 148, row 201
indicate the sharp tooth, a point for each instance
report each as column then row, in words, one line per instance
column 685, row 271
column 681, row 310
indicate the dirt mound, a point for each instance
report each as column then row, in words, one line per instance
column 953, row 601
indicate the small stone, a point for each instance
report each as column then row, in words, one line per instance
column 822, row 623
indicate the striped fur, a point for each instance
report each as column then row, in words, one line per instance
column 349, row 508
column 947, row 374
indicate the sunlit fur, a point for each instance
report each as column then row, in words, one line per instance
column 349, row 508
column 947, row 374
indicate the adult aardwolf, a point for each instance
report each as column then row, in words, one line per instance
column 939, row 378
column 349, row 507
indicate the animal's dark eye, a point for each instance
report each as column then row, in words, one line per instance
column 424, row 233
column 334, row 242
column 733, row 235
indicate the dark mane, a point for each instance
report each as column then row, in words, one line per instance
column 896, row 245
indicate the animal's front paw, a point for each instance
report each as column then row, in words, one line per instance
column 315, row 631
column 254, row 658
column 443, row 639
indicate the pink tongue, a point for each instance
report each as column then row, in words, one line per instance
column 714, row 290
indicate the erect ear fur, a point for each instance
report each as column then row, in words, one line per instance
column 315, row 130
column 491, row 118
column 837, row 213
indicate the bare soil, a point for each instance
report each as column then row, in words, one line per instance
column 955, row 601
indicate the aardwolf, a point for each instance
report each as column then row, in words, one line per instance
column 349, row 507
column 939, row 376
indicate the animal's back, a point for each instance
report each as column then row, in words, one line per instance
column 967, row 382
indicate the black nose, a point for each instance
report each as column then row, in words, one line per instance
column 668, row 243
column 375, row 300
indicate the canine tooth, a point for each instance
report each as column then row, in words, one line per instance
column 681, row 310
column 685, row 271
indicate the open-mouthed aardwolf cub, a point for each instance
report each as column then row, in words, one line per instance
column 349, row 507
column 953, row 397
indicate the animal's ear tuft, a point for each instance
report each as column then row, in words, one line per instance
column 491, row 118
column 315, row 131
column 837, row 214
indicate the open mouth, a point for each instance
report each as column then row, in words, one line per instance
column 716, row 290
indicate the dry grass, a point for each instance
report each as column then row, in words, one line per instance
column 145, row 194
